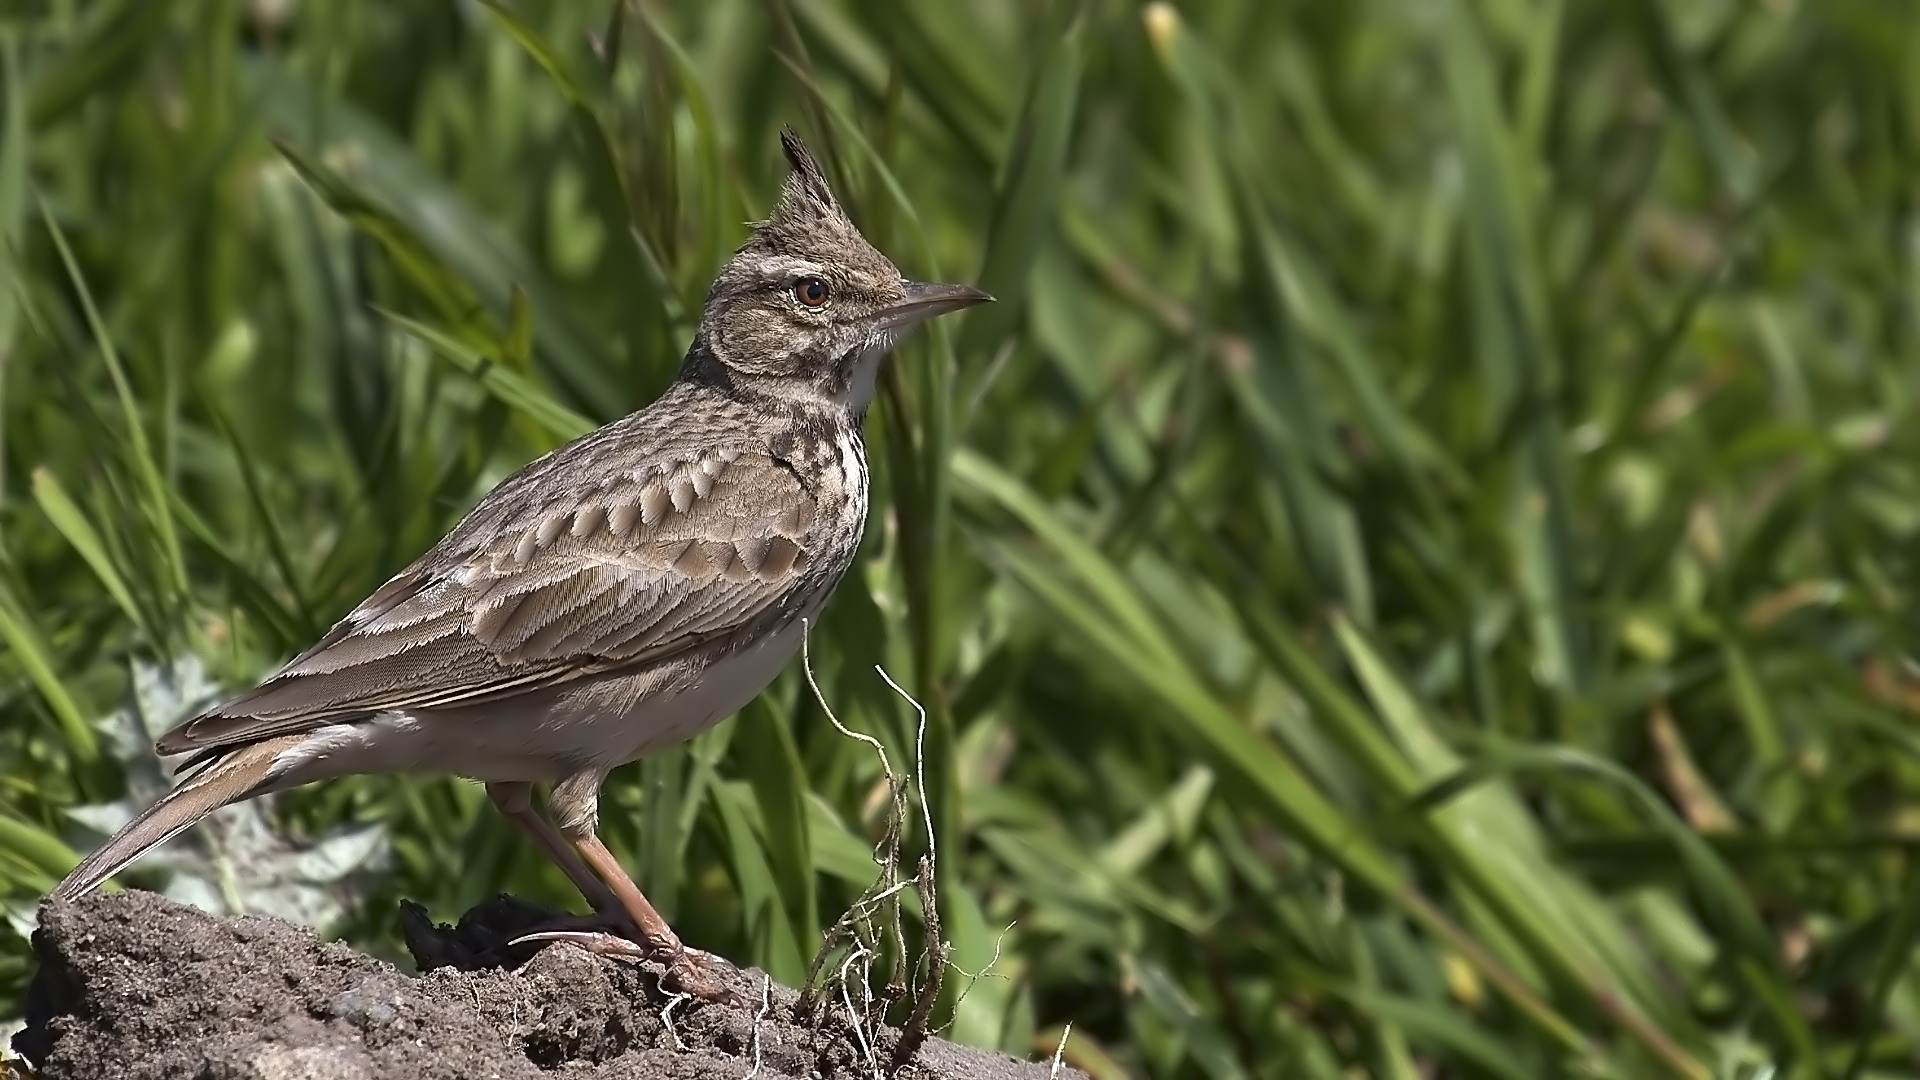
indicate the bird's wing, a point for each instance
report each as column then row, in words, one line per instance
column 616, row 571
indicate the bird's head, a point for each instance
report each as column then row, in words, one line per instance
column 807, row 308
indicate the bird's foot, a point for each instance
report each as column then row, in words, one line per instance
column 698, row 973
column 689, row 971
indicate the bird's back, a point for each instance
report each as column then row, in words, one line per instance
column 638, row 544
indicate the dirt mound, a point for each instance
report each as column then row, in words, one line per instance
column 132, row 985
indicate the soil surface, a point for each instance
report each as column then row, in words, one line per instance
column 132, row 985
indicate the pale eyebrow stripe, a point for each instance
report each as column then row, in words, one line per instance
column 780, row 268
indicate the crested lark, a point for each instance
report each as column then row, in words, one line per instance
column 611, row 599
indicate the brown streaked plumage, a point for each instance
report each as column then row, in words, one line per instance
column 611, row 599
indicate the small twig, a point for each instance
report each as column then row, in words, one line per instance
column 854, row 925
column 866, row 904
column 766, row 1003
column 854, row 1016
column 1059, row 1053
column 914, row 1032
column 878, row 914
column 806, row 665
column 666, row 1019
column 986, row 971
column 919, row 759
column 904, row 979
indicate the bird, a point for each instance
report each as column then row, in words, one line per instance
column 611, row 599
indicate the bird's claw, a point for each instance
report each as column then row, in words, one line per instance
column 598, row 942
column 689, row 971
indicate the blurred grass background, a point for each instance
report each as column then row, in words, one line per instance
column 1413, row 578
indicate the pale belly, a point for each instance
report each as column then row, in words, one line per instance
column 545, row 737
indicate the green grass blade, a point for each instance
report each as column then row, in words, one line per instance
column 30, row 651
column 73, row 524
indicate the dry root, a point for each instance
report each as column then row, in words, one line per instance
column 873, row 929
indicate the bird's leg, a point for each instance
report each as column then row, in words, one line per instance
column 575, row 804
column 655, row 934
column 515, row 803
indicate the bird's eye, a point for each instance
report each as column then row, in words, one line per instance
column 811, row 291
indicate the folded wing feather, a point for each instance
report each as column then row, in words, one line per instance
column 626, row 571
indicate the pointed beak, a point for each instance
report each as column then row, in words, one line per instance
column 924, row 301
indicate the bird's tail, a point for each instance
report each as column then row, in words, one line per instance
column 241, row 773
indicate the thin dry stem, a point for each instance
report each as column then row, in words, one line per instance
column 986, row 971
column 666, row 1019
column 766, row 1004
column 855, row 925
column 914, row 1033
column 857, row 1017
column 877, row 915
column 1059, row 1053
